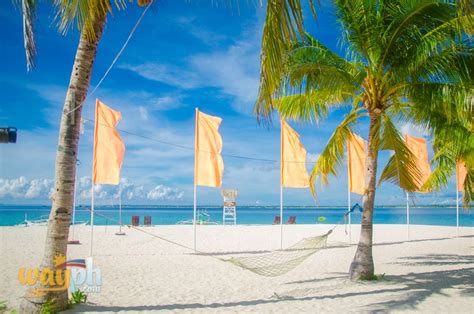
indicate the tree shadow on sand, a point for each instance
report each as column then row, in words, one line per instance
column 420, row 286
column 436, row 260
column 406, row 292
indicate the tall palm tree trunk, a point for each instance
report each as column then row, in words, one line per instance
column 65, row 169
column 362, row 265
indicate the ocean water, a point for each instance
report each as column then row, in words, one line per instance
column 443, row 216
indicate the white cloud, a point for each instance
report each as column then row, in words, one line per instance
column 39, row 188
column 42, row 189
column 234, row 70
column 143, row 113
column 22, row 188
column 168, row 102
column 168, row 74
column 161, row 192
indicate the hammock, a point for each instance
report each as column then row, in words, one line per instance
column 272, row 264
column 280, row 262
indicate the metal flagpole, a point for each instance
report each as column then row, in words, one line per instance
column 120, row 208
column 120, row 212
column 195, row 168
column 92, row 216
column 349, row 210
column 457, row 210
column 349, row 192
column 281, row 216
column 408, row 217
column 194, row 219
column 281, row 184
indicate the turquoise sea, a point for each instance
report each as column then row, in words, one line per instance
column 167, row 215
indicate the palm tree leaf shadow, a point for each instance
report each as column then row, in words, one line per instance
column 403, row 292
column 420, row 286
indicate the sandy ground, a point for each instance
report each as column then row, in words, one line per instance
column 433, row 271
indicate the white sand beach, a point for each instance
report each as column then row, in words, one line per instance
column 431, row 272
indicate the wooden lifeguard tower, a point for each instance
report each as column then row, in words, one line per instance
column 229, row 213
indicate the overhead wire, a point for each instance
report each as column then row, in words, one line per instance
column 117, row 56
column 203, row 151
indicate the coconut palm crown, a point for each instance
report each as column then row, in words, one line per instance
column 407, row 61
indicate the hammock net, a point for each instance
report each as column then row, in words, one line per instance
column 280, row 262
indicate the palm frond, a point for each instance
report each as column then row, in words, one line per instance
column 468, row 197
column 451, row 144
column 333, row 154
column 437, row 104
column 28, row 10
column 409, row 21
column 362, row 23
column 283, row 24
column 311, row 106
column 445, row 166
column 82, row 13
column 311, row 65
column 401, row 168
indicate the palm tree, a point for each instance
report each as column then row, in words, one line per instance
column 283, row 24
column 91, row 18
column 407, row 61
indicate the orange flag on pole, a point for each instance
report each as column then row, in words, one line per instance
column 356, row 163
column 461, row 173
column 419, row 148
column 109, row 148
column 208, row 166
column 293, row 159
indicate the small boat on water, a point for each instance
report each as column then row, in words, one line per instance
column 203, row 218
column 43, row 221
column 30, row 223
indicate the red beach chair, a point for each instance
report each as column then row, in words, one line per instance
column 147, row 220
column 277, row 220
column 135, row 220
column 291, row 220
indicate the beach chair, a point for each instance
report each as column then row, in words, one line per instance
column 277, row 220
column 135, row 220
column 147, row 221
column 291, row 220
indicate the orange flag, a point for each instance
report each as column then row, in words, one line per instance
column 109, row 148
column 356, row 163
column 419, row 148
column 461, row 173
column 293, row 159
column 208, row 165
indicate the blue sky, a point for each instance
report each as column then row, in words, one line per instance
column 185, row 54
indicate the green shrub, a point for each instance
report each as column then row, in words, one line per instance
column 78, row 296
column 48, row 306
